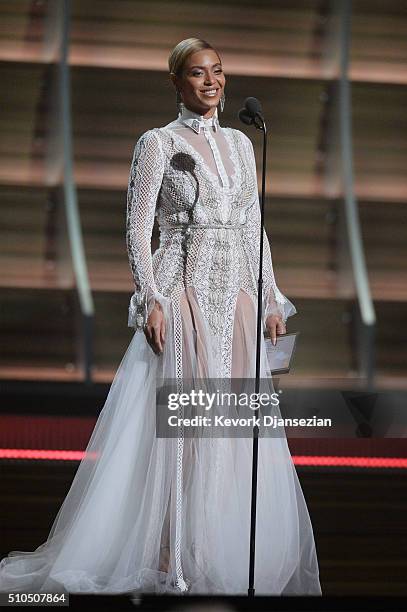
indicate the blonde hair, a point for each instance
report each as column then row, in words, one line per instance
column 183, row 50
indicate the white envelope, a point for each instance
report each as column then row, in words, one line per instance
column 279, row 356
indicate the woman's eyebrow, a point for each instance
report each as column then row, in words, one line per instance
column 217, row 64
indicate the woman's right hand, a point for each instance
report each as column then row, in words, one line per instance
column 154, row 329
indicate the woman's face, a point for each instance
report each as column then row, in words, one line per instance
column 202, row 82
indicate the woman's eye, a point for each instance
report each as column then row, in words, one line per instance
column 196, row 74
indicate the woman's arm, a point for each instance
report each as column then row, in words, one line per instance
column 146, row 172
column 274, row 302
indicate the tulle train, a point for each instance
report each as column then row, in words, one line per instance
column 115, row 531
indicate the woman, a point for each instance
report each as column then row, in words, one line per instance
column 173, row 514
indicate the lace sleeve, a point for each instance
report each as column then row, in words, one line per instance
column 146, row 172
column 274, row 302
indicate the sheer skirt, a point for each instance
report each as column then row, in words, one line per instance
column 121, row 522
column 217, row 485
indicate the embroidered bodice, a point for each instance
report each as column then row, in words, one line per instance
column 199, row 180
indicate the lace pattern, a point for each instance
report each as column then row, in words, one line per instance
column 274, row 302
column 202, row 187
column 146, row 172
column 170, row 179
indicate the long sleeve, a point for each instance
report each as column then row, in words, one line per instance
column 274, row 302
column 144, row 184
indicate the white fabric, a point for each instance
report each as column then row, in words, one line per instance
column 208, row 126
column 173, row 515
column 174, row 176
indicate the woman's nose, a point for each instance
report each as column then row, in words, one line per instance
column 209, row 79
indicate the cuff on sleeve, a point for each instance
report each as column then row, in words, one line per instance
column 279, row 305
column 141, row 304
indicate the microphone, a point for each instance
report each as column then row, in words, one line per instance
column 253, row 107
column 252, row 113
column 245, row 117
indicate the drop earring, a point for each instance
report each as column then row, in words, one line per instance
column 180, row 104
column 222, row 102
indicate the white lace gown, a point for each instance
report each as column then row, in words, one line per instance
column 148, row 514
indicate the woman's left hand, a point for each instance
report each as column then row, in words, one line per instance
column 275, row 327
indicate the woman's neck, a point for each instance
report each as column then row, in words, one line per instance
column 189, row 112
column 206, row 115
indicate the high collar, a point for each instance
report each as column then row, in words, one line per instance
column 196, row 121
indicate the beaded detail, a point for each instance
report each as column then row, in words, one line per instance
column 203, row 192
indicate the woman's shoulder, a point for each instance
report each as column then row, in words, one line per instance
column 149, row 136
column 149, row 141
column 155, row 136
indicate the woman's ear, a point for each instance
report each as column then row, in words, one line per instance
column 174, row 80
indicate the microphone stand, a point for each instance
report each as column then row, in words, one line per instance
column 260, row 125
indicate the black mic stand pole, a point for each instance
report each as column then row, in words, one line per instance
column 261, row 125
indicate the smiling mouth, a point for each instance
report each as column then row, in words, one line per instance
column 211, row 93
